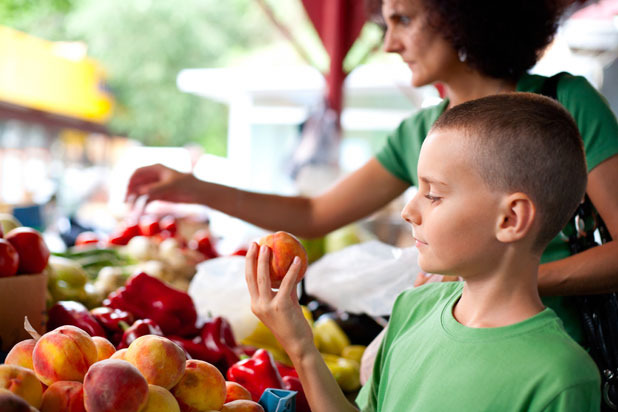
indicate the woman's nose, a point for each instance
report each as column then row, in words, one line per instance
column 391, row 44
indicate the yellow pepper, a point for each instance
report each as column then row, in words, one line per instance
column 345, row 371
column 330, row 337
column 353, row 352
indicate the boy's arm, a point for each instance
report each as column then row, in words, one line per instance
column 282, row 314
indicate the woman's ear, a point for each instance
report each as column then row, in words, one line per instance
column 517, row 218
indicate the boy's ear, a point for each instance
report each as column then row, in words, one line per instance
column 516, row 219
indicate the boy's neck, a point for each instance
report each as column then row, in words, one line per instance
column 506, row 296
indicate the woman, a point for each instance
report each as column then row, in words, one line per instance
column 474, row 49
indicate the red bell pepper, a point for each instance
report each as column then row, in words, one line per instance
column 141, row 327
column 67, row 312
column 218, row 338
column 148, row 297
column 195, row 348
column 114, row 321
column 256, row 373
column 292, row 383
column 285, row 370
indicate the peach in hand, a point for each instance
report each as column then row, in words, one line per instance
column 64, row 396
column 202, row 387
column 235, row 391
column 161, row 361
column 113, row 385
column 22, row 382
column 64, row 354
column 160, row 400
column 21, row 354
column 284, row 247
column 242, row 406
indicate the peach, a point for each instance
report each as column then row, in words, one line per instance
column 64, row 396
column 161, row 361
column 105, row 349
column 119, row 354
column 9, row 402
column 113, row 385
column 21, row 354
column 242, row 405
column 22, row 382
column 235, row 391
column 202, row 387
column 160, row 400
column 284, row 247
column 64, row 354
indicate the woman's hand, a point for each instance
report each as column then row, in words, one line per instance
column 158, row 182
column 278, row 310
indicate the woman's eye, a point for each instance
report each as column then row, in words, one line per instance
column 432, row 199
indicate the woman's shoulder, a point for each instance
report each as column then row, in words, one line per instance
column 567, row 84
column 421, row 121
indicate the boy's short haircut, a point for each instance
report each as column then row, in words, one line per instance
column 523, row 142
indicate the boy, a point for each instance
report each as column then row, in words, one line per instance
column 498, row 178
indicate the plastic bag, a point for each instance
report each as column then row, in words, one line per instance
column 363, row 278
column 219, row 289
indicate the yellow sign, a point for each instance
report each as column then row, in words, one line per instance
column 55, row 77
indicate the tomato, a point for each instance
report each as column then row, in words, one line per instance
column 131, row 230
column 118, row 239
column 32, row 250
column 168, row 223
column 149, row 226
column 202, row 242
column 9, row 259
column 87, row 238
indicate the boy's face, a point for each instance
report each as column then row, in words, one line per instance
column 454, row 215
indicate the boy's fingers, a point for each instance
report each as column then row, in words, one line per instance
column 263, row 271
column 250, row 270
column 288, row 284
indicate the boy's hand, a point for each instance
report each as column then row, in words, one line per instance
column 278, row 310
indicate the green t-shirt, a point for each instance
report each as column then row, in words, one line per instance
column 429, row 362
column 597, row 125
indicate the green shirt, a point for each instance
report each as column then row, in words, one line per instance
column 597, row 125
column 429, row 362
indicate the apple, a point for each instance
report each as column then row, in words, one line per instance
column 9, row 259
column 32, row 250
column 284, row 247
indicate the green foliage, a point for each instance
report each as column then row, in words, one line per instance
column 143, row 45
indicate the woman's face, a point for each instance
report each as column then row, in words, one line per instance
column 430, row 57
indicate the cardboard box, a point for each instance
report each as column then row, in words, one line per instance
column 20, row 296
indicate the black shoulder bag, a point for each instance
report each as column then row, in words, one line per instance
column 599, row 313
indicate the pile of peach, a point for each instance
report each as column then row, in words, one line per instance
column 66, row 370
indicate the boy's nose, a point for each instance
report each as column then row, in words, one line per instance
column 410, row 212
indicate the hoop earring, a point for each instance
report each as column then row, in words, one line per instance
column 462, row 55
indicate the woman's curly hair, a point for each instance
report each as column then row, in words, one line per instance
column 499, row 38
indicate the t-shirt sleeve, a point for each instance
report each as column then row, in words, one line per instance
column 597, row 123
column 585, row 397
column 391, row 153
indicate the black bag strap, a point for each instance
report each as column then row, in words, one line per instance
column 599, row 313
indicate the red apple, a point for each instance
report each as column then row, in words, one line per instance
column 32, row 250
column 9, row 259
column 284, row 247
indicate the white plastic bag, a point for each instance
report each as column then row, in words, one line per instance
column 219, row 289
column 363, row 278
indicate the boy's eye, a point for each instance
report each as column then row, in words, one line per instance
column 431, row 198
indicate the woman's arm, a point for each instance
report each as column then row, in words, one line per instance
column 355, row 196
column 282, row 314
column 594, row 270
